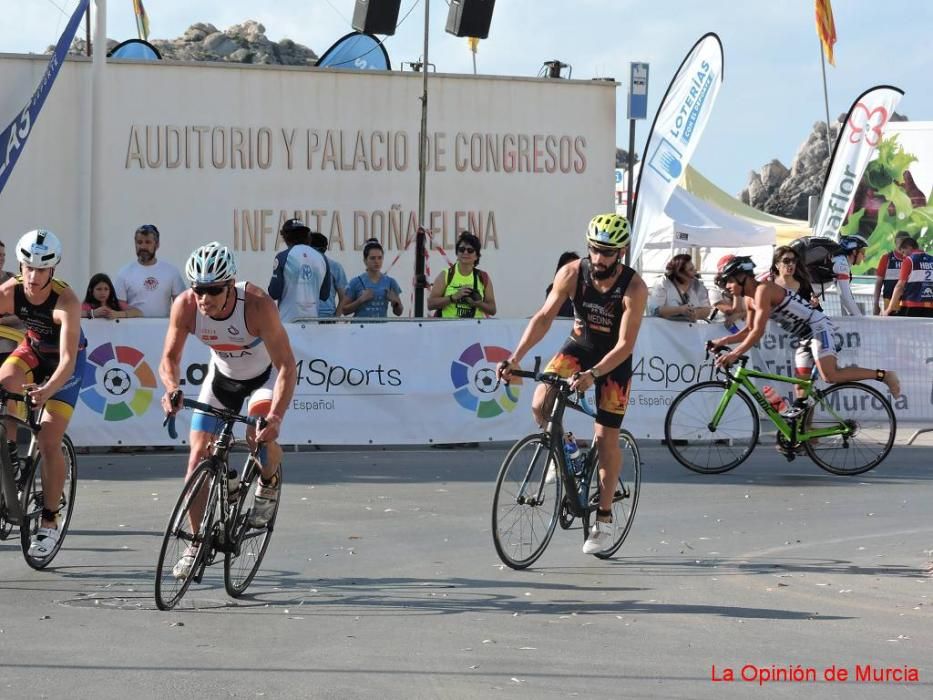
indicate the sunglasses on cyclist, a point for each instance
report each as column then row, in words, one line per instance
column 466, row 249
column 211, row 291
column 605, row 252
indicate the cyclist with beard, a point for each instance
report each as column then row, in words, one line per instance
column 609, row 301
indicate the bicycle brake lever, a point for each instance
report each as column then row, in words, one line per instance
column 169, row 424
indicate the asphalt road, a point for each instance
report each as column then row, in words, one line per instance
column 382, row 581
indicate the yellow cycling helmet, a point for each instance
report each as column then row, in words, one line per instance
column 608, row 230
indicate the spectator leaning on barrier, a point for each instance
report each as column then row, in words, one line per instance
column 148, row 284
column 853, row 253
column 679, row 295
column 566, row 309
column 731, row 308
column 887, row 274
column 914, row 288
column 336, row 290
column 369, row 294
column 10, row 320
column 298, row 274
column 100, row 300
column 463, row 290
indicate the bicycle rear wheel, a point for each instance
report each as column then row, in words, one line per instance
column 688, row 435
column 179, row 535
column 525, row 507
column 250, row 543
column 34, row 500
column 625, row 498
column 871, row 429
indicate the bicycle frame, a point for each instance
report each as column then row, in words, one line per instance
column 14, row 509
column 554, row 434
column 741, row 378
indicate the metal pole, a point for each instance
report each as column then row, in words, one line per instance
column 630, row 196
column 90, row 260
column 829, row 146
column 87, row 31
column 422, row 168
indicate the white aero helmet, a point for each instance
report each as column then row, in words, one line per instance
column 39, row 248
column 210, row 264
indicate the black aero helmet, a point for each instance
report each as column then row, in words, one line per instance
column 733, row 266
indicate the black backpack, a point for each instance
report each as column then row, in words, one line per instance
column 817, row 254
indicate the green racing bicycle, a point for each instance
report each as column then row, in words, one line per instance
column 713, row 426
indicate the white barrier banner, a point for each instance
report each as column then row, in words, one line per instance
column 418, row 383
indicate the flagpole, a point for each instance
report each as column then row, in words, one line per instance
column 829, row 145
column 97, row 152
column 420, row 236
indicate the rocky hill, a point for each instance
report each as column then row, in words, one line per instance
column 785, row 192
column 241, row 43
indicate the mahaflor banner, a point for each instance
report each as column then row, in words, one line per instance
column 861, row 134
column 429, row 382
column 13, row 138
column 675, row 133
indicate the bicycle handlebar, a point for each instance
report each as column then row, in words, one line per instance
column 222, row 413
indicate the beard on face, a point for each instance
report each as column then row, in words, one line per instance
column 144, row 255
column 605, row 272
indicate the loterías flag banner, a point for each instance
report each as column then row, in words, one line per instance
column 855, row 147
column 142, row 19
column 675, row 133
column 826, row 28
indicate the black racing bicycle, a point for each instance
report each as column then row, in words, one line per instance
column 21, row 494
column 224, row 526
column 537, row 488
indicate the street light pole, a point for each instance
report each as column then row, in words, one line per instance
column 420, row 242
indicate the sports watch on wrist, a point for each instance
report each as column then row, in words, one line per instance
column 594, row 372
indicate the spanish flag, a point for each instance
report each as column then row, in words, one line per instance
column 826, row 28
column 142, row 20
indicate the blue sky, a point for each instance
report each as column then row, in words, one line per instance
column 771, row 96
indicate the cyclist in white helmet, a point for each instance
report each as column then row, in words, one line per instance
column 50, row 358
column 241, row 325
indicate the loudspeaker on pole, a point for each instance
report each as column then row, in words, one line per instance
column 470, row 17
column 376, row 16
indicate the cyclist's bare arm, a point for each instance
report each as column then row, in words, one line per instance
column 758, row 312
column 565, row 281
column 180, row 325
column 269, row 327
column 6, row 297
column 68, row 313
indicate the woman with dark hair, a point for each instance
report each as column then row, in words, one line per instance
column 463, row 290
column 566, row 309
column 100, row 300
column 369, row 294
column 679, row 295
column 786, row 271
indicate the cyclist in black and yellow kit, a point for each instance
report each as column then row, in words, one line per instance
column 50, row 359
column 608, row 302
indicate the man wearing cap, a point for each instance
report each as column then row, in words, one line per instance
column 336, row 289
column 298, row 274
column 147, row 286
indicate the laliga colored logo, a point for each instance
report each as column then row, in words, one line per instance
column 118, row 383
column 868, row 123
column 474, row 377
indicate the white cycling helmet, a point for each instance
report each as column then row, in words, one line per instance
column 39, row 248
column 210, row 264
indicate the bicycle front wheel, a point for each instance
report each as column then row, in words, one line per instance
column 34, row 501
column 525, row 505
column 181, row 537
column 249, row 543
column 698, row 447
column 625, row 498
column 869, row 423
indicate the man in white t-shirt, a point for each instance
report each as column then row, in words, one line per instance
column 147, row 284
